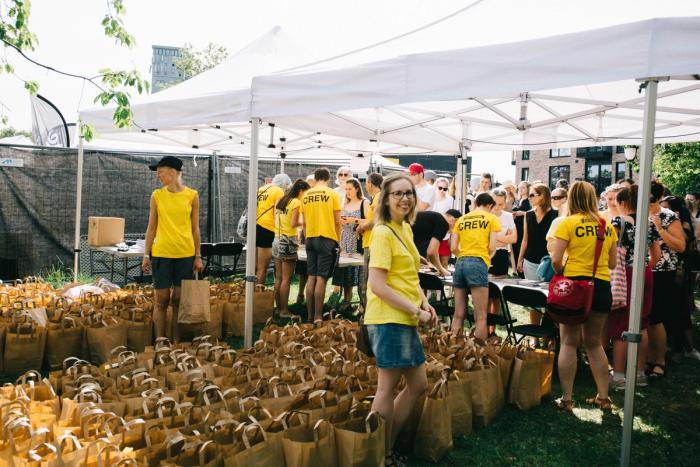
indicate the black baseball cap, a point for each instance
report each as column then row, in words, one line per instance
column 167, row 161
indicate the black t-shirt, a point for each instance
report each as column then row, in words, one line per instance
column 428, row 224
column 536, row 233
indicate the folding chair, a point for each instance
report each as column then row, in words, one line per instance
column 215, row 267
column 529, row 298
column 504, row 319
column 431, row 282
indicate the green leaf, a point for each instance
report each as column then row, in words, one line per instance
column 32, row 87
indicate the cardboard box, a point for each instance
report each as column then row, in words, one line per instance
column 105, row 231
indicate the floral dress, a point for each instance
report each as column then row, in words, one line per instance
column 347, row 277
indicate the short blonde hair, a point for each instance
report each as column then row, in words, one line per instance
column 383, row 215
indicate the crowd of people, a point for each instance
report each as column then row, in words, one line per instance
column 404, row 222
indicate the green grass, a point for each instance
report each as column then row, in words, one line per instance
column 58, row 275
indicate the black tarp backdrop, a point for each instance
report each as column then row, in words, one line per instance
column 37, row 200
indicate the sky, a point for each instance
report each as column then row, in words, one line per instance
column 71, row 38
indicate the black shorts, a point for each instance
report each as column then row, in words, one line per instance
column 169, row 272
column 602, row 295
column 664, row 297
column 263, row 237
column 500, row 263
column 321, row 256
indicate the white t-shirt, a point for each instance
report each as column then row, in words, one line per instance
column 442, row 206
column 426, row 194
column 507, row 222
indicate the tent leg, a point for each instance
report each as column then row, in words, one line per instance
column 640, row 247
column 250, row 252
column 78, row 204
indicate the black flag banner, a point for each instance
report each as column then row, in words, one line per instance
column 48, row 125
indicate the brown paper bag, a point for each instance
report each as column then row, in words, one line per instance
column 310, row 447
column 264, row 304
column 360, row 442
column 103, row 335
column 487, row 392
column 24, row 347
column 459, row 401
column 139, row 330
column 233, row 315
column 546, row 359
column 216, row 311
column 525, row 383
column 258, row 450
column 434, row 434
column 64, row 339
column 194, row 302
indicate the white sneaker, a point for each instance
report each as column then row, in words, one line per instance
column 694, row 354
column 617, row 382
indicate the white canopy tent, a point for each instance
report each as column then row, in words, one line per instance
column 571, row 90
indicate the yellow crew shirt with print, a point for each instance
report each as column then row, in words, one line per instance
column 283, row 219
column 581, row 233
column 268, row 195
column 174, row 230
column 318, row 207
column 401, row 261
column 474, row 230
column 369, row 215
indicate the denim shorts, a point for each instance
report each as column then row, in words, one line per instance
column 470, row 272
column 396, row 345
column 530, row 270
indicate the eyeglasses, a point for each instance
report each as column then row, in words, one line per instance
column 343, row 174
column 398, row 195
column 532, row 195
column 557, row 198
column 442, row 188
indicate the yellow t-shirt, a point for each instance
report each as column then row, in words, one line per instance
column 401, row 262
column 283, row 219
column 318, row 207
column 369, row 214
column 580, row 232
column 174, row 230
column 268, row 196
column 474, row 230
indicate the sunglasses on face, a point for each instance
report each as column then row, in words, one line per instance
column 532, row 195
column 557, row 198
column 442, row 188
column 343, row 175
column 398, row 195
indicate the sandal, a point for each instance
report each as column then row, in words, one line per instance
column 653, row 373
column 563, row 404
column 602, row 404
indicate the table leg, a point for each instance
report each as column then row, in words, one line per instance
column 111, row 272
column 126, row 271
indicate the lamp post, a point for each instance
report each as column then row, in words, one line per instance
column 630, row 156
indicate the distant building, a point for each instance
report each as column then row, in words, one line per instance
column 163, row 69
column 598, row 165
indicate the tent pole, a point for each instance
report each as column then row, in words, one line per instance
column 250, row 253
column 633, row 337
column 78, row 203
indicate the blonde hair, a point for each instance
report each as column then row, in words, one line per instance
column 383, row 214
column 583, row 200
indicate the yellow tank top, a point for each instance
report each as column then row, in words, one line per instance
column 174, row 230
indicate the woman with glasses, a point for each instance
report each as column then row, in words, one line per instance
column 354, row 205
column 537, row 222
column 534, row 245
column 577, row 236
column 341, row 176
column 443, row 201
column 559, row 196
column 395, row 306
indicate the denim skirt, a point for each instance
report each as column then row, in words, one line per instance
column 396, row 345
